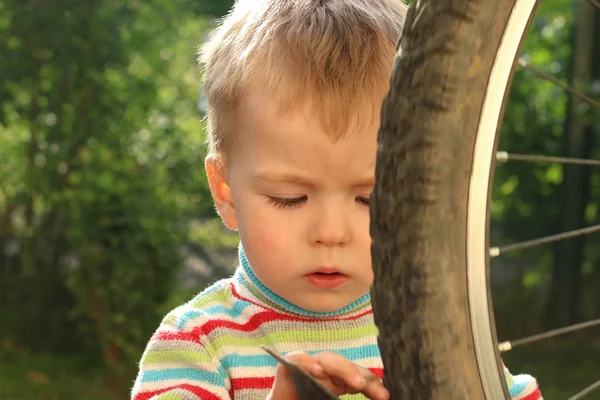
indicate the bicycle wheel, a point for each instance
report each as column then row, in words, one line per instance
column 429, row 215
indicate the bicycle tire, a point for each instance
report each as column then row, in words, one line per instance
column 429, row 213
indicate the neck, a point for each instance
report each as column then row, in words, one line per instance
column 248, row 282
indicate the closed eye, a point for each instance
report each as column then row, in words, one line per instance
column 363, row 200
column 284, row 202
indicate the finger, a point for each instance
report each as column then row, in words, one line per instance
column 307, row 362
column 350, row 377
column 374, row 388
column 340, row 370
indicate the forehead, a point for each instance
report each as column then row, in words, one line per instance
column 271, row 138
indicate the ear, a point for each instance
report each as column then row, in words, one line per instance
column 220, row 190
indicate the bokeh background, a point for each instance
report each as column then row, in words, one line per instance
column 106, row 221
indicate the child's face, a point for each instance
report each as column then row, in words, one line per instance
column 298, row 199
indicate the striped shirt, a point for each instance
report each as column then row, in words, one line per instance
column 209, row 348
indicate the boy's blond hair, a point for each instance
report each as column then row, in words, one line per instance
column 336, row 54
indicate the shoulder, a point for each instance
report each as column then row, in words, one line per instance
column 187, row 327
column 180, row 357
column 215, row 303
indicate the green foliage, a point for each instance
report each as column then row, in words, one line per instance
column 102, row 155
column 527, row 196
column 525, row 204
column 215, row 8
column 563, row 367
column 101, row 176
column 214, row 235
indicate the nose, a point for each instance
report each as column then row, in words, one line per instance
column 332, row 226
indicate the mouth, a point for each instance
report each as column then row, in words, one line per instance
column 328, row 271
column 326, row 278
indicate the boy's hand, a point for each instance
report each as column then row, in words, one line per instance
column 333, row 371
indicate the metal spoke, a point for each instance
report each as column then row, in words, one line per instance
column 503, row 156
column 595, row 3
column 496, row 251
column 552, row 79
column 509, row 345
column 586, row 391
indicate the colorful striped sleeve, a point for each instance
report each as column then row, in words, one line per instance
column 522, row 387
column 180, row 364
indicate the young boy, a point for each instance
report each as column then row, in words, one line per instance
column 294, row 91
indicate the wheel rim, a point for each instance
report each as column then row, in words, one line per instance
column 479, row 199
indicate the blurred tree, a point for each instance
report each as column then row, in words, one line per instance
column 535, row 200
column 564, row 301
column 101, row 150
column 102, row 169
column 215, row 8
column 525, row 195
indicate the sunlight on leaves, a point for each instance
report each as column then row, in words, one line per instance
column 510, row 185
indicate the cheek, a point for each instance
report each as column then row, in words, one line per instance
column 365, row 239
column 263, row 229
column 267, row 245
column 268, row 240
column 364, row 226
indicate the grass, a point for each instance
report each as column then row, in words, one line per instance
column 50, row 377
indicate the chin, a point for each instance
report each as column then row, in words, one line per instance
column 324, row 306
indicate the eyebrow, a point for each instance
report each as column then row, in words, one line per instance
column 269, row 176
column 364, row 182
